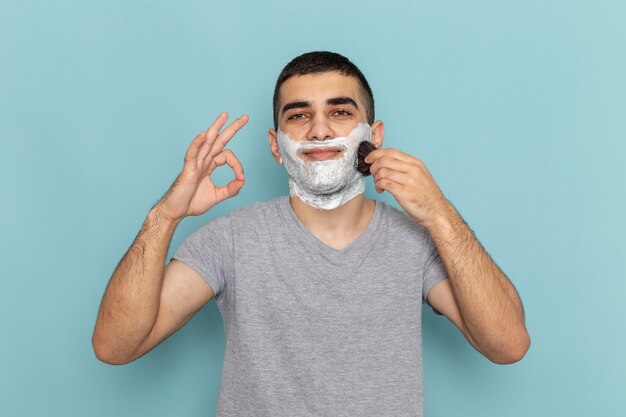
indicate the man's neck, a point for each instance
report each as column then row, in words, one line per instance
column 337, row 227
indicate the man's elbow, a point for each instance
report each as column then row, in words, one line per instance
column 109, row 360
column 515, row 352
column 103, row 355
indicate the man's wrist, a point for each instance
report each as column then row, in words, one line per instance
column 157, row 215
column 444, row 222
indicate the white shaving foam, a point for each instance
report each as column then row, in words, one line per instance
column 325, row 184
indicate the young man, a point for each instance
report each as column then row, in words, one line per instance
column 320, row 292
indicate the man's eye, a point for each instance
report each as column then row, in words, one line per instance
column 296, row 116
column 342, row 113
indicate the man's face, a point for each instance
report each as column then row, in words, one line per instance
column 322, row 120
column 320, row 106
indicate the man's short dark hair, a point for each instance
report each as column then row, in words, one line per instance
column 324, row 61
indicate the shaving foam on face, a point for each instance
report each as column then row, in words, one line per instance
column 329, row 183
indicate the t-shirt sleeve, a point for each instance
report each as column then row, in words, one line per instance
column 209, row 252
column 434, row 271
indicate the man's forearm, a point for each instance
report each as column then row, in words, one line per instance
column 130, row 303
column 489, row 304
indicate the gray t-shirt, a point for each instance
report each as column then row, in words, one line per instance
column 311, row 330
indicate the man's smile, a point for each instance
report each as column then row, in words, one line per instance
column 322, row 153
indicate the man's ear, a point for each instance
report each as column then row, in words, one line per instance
column 274, row 146
column 378, row 133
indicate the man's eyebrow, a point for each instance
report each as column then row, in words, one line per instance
column 335, row 101
column 341, row 100
column 295, row 105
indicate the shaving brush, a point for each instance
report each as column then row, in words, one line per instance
column 365, row 148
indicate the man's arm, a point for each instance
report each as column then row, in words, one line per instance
column 478, row 298
column 183, row 293
column 130, row 303
column 133, row 317
column 490, row 313
column 145, row 303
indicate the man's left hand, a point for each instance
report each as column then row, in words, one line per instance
column 410, row 182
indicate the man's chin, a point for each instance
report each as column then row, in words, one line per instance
column 323, row 189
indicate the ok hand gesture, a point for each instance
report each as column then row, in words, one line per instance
column 193, row 192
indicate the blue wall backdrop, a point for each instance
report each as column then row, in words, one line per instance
column 517, row 108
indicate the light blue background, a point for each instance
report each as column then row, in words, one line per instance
column 517, row 108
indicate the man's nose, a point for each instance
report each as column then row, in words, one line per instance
column 320, row 130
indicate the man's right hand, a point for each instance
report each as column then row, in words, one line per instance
column 193, row 192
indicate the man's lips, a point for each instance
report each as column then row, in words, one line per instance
column 318, row 154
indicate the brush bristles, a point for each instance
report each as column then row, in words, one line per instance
column 365, row 148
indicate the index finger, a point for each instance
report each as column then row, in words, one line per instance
column 226, row 135
column 377, row 153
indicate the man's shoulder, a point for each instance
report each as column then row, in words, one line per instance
column 248, row 217
column 398, row 221
column 258, row 215
column 259, row 208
